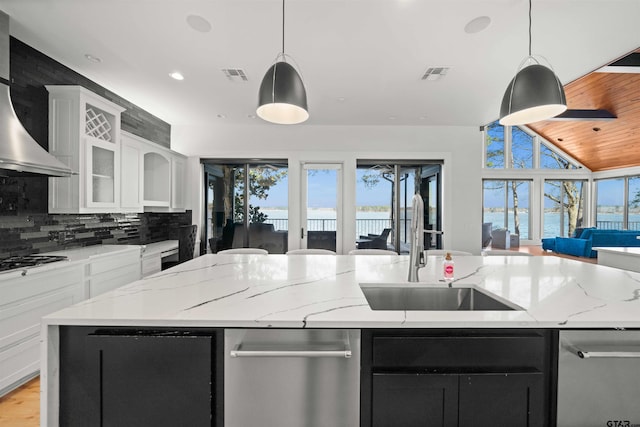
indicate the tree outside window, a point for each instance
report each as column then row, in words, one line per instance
column 563, row 207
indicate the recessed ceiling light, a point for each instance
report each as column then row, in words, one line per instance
column 392, row 117
column 340, row 99
column 198, row 23
column 478, row 24
column 92, row 58
column 176, row 75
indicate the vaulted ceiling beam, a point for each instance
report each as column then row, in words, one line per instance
column 585, row 115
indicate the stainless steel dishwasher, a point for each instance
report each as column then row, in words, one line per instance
column 292, row 377
column 599, row 378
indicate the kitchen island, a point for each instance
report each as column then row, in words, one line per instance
column 625, row 258
column 217, row 292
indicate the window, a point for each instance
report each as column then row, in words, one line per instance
column 233, row 223
column 634, row 203
column 549, row 159
column 610, row 204
column 533, row 167
column 494, row 145
column 618, row 203
column 519, row 145
column 521, row 149
column 563, row 207
column 506, row 205
column 383, row 203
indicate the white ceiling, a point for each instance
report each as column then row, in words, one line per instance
column 361, row 60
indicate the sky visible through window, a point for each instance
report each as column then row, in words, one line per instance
column 324, row 193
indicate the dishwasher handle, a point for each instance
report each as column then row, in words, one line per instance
column 329, row 352
column 604, row 352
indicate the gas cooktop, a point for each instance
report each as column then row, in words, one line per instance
column 16, row 262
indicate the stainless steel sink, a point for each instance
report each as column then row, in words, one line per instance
column 398, row 297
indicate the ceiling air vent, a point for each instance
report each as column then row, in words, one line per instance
column 435, row 73
column 235, row 74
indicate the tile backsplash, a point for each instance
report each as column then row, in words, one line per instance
column 37, row 233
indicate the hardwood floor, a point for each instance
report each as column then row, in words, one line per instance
column 21, row 407
column 537, row 250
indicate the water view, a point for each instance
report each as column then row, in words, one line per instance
column 551, row 222
column 375, row 221
column 368, row 222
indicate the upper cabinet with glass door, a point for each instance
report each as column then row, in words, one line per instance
column 84, row 133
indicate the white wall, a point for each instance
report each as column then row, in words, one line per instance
column 459, row 147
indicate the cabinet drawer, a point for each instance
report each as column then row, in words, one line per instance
column 104, row 264
column 151, row 264
column 19, row 362
column 36, row 282
column 113, row 279
column 477, row 350
column 19, row 321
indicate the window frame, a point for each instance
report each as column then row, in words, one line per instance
column 538, row 176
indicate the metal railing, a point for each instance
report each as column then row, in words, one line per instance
column 363, row 226
column 617, row 225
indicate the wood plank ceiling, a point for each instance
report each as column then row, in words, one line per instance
column 600, row 145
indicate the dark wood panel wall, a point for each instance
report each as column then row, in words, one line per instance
column 31, row 70
column 25, row 225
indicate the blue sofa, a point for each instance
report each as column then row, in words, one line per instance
column 588, row 238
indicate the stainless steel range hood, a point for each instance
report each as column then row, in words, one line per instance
column 20, row 154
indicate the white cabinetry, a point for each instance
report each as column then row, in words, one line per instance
column 153, row 177
column 131, row 174
column 178, row 181
column 110, row 271
column 84, row 133
column 151, row 264
column 25, row 297
column 154, row 254
column 157, row 178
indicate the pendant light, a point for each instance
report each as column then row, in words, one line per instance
column 534, row 94
column 282, row 96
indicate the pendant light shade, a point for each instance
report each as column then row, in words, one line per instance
column 534, row 94
column 282, row 96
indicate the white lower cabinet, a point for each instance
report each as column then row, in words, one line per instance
column 108, row 272
column 24, row 300
column 28, row 295
column 151, row 264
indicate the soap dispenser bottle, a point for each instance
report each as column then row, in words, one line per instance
column 447, row 268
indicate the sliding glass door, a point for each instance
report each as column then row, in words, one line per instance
column 383, row 203
column 246, row 206
column 321, row 213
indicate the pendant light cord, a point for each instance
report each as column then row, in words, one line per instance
column 529, row 29
column 283, row 28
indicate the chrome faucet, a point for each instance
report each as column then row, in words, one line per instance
column 416, row 254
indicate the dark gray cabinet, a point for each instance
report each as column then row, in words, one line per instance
column 457, row 378
column 124, row 377
column 501, row 399
column 414, row 399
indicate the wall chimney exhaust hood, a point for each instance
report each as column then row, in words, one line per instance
column 20, row 154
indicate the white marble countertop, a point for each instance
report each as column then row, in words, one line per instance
column 86, row 252
column 323, row 291
column 74, row 257
column 160, row 247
